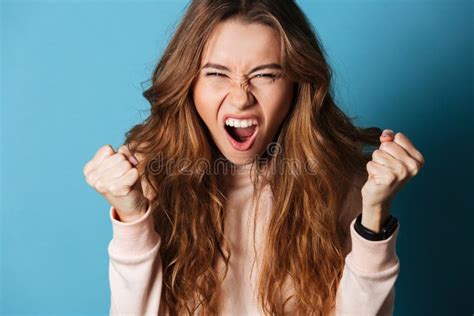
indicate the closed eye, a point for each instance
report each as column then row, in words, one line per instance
column 265, row 75
column 215, row 74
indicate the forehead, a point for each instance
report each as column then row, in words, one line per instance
column 236, row 44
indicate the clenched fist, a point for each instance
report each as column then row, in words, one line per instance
column 115, row 176
column 395, row 162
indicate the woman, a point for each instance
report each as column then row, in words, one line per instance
column 247, row 190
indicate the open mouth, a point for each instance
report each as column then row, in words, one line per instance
column 240, row 134
column 241, row 138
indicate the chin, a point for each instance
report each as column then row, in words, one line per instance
column 241, row 157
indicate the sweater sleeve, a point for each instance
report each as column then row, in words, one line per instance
column 367, row 286
column 135, row 270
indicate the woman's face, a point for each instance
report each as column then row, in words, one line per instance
column 242, row 118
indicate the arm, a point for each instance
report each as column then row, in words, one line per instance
column 367, row 286
column 135, row 270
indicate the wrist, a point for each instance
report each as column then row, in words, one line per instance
column 374, row 218
column 135, row 216
column 131, row 218
column 387, row 229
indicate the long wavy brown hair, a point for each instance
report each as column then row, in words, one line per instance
column 305, row 234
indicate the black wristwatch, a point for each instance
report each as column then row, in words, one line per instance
column 387, row 229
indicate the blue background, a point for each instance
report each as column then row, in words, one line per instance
column 71, row 74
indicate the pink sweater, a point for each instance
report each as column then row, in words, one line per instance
column 367, row 286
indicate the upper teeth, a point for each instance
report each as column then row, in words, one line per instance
column 240, row 123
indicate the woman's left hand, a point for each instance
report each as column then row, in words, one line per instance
column 392, row 165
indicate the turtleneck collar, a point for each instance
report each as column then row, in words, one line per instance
column 241, row 175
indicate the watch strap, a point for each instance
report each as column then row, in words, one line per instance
column 386, row 231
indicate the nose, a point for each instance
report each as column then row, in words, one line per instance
column 240, row 96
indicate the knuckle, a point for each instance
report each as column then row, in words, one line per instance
column 403, row 172
column 85, row 168
column 415, row 171
column 134, row 172
column 114, row 159
column 106, row 147
column 392, row 178
column 369, row 165
column 420, row 164
column 120, row 156
column 418, row 167
column 90, row 178
column 114, row 188
column 422, row 160
column 388, row 144
column 132, row 176
column 99, row 186
column 123, row 149
column 412, row 166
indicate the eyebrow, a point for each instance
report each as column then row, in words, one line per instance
column 221, row 67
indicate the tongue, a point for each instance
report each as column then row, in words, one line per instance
column 244, row 132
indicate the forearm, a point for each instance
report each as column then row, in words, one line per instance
column 367, row 286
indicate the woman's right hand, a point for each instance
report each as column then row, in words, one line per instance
column 115, row 176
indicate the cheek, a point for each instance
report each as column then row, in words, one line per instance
column 275, row 108
column 206, row 103
column 274, row 115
